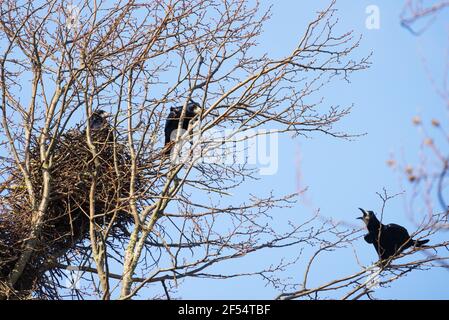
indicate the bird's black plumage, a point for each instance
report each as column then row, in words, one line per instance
column 388, row 240
column 101, row 131
column 172, row 123
column 99, row 120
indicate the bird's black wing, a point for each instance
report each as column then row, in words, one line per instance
column 171, row 123
column 369, row 238
column 395, row 239
column 397, row 229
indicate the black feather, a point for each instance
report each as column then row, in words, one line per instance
column 172, row 123
column 388, row 240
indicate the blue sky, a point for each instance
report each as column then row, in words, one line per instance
column 344, row 175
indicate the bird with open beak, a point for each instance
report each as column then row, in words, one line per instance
column 388, row 240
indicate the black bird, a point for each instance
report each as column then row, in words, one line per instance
column 101, row 131
column 99, row 119
column 171, row 125
column 388, row 240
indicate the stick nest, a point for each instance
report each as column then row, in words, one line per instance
column 66, row 220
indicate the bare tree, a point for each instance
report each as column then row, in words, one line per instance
column 110, row 203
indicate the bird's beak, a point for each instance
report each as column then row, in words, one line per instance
column 364, row 214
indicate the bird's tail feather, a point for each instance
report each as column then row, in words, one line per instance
column 420, row 243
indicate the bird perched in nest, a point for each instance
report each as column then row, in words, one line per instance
column 101, row 129
column 388, row 240
column 193, row 109
column 99, row 119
